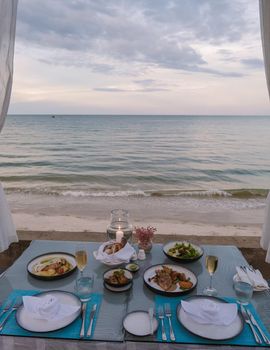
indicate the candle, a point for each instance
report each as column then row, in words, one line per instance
column 119, row 235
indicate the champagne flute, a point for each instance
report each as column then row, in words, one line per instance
column 211, row 263
column 81, row 257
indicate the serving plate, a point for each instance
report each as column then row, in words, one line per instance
column 209, row 331
column 26, row 320
column 152, row 285
column 138, row 323
column 118, row 289
column 69, row 257
column 110, row 272
column 170, row 245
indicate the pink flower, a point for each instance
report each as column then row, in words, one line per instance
column 145, row 234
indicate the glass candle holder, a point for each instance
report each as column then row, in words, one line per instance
column 120, row 226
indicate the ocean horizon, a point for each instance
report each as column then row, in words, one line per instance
column 136, row 156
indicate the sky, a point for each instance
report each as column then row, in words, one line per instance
column 139, row 57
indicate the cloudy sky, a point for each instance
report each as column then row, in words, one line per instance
column 139, row 57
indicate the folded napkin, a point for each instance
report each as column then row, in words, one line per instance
column 210, row 312
column 254, row 278
column 48, row 308
column 122, row 256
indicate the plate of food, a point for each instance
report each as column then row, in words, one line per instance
column 52, row 266
column 182, row 251
column 169, row 279
column 118, row 278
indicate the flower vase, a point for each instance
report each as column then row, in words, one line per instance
column 146, row 245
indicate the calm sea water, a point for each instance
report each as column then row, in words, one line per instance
column 136, row 155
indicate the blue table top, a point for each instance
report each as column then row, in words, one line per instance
column 139, row 297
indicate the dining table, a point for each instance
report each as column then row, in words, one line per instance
column 109, row 332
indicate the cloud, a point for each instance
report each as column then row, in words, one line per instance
column 103, row 35
column 253, row 63
column 115, row 89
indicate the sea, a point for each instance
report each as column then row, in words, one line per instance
column 90, row 156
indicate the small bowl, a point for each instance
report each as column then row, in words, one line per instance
column 132, row 267
column 110, row 272
column 180, row 259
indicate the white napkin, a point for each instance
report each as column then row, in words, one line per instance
column 209, row 312
column 122, row 256
column 48, row 308
column 254, row 278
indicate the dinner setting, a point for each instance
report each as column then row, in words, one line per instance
column 178, row 292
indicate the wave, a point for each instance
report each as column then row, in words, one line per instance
column 242, row 193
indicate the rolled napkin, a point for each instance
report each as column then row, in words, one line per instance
column 210, row 312
column 48, row 308
column 254, row 278
column 122, row 256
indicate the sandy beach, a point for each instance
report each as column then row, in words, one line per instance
column 209, row 217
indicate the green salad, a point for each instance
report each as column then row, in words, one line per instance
column 183, row 250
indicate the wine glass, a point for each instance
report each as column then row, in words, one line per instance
column 211, row 263
column 81, row 257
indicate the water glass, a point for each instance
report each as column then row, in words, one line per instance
column 84, row 286
column 243, row 292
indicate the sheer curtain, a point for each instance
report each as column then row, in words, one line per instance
column 8, row 12
column 265, row 32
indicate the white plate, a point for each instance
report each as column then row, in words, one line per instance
column 118, row 289
column 209, row 331
column 69, row 257
column 255, row 289
column 26, row 321
column 138, row 323
column 150, row 272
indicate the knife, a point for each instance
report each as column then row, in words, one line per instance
column 83, row 320
column 92, row 315
column 248, row 321
column 252, row 319
column 151, row 315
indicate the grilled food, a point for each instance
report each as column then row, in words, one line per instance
column 168, row 279
column 117, row 278
column 52, row 267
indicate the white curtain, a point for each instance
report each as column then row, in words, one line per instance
column 265, row 33
column 8, row 12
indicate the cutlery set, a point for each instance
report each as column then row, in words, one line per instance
column 92, row 315
column 162, row 313
column 8, row 310
column 250, row 320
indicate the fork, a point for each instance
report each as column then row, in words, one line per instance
column 17, row 304
column 168, row 314
column 161, row 317
column 6, row 308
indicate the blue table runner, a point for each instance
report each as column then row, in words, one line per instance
column 245, row 338
column 72, row 331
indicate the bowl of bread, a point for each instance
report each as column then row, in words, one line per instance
column 114, row 253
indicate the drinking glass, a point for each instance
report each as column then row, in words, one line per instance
column 243, row 292
column 81, row 257
column 84, row 286
column 211, row 263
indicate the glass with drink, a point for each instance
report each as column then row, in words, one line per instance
column 211, row 263
column 81, row 257
column 243, row 292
